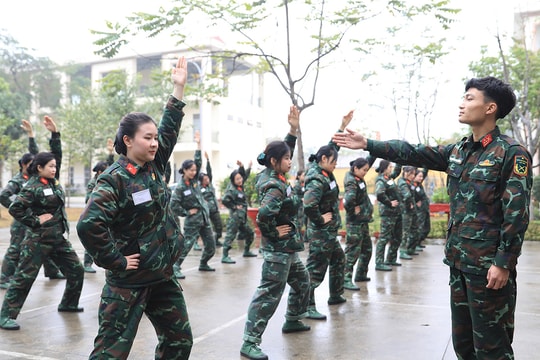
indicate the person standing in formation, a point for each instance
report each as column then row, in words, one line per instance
column 489, row 184
column 408, row 213
column 187, row 201
column 235, row 200
column 281, row 243
column 359, row 213
column 422, row 206
column 321, row 205
column 40, row 205
column 129, row 229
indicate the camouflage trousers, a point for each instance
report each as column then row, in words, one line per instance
column 358, row 247
column 192, row 231
column 325, row 252
column 241, row 228
column 12, row 255
column 33, row 252
column 121, row 310
column 217, row 225
column 424, row 225
column 278, row 270
column 409, row 233
column 482, row 319
column 391, row 228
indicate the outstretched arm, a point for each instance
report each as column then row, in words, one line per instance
column 350, row 139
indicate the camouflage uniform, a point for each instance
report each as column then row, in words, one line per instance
column 209, row 195
column 358, row 245
column 237, row 223
column 187, row 195
column 43, row 196
column 322, row 196
column 408, row 216
column 301, row 219
column 18, row 230
column 88, row 261
column 391, row 221
column 128, row 213
column 282, row 265
column 422, row 213
column 489, row 184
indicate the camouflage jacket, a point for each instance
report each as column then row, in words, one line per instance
column 12, row 188
column 278, row 206
column 208, row 192
column 321, row 196
column 187, row 195
column 234, row 196
column 406, row 195
column 489, row 184
column 420, row 195
column 41, row 196
column 356, row 195
column 92, row 183
column 386, row 190
column 128, row 212
column 299, row 189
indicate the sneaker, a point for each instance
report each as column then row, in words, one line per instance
column 252, row 351
column 227, row 260
column 418, row 249
column 294, row 326
column 89, row 269
column 382, row 267
column 361, row 278
column 57, row 276
column 8, row 324
column 336, row 299
column 314, row 314
column 205, row 267
column 179, row 274
column 405, row 256
column 349, row 285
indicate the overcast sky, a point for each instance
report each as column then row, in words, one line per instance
column 59, row 29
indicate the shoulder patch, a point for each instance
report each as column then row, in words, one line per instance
column 521, row 165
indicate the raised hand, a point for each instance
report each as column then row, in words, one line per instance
column 346, row 120
column 49, row 124
column 27, row 127
column 294, row 119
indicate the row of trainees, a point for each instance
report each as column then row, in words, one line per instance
column 129, row 229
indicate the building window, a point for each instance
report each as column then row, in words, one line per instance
column 196, row 123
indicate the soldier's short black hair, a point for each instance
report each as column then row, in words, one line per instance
column 100, row 166
column 128, row 126
column 326, row 150
column 383, row 165
column 276, row 150
column 497, row 91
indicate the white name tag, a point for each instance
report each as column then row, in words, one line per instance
column 141, row 197
column 47, row 192
column 333, row 185
column 362, row 186
column 390, row 182
column 187, row 192
column 241, row 196
column 289, row 190
column 203, row 189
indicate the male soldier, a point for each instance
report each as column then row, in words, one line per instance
column 489, row 183
column 18, row 230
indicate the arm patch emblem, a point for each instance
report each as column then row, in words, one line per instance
column 521, row 165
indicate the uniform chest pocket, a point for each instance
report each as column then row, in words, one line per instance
column 484, row 183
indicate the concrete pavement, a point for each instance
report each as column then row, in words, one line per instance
column 403, row 314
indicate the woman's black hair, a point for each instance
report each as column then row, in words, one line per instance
column 326, row 150
column 383, row 165
column 128, row 126
column 201, row 176
column 299, row 173
column 276, row 150
column 100, row 166
column 358, row 163
column 41, row 159
column 187, row 164
column 409, row 169
column 233, row 175
column 25, row 159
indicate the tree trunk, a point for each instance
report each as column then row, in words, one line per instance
column 300, row 149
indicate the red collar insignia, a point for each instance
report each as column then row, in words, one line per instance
column 282, row 178
column 487, row 140
column 131, row 169
column 325, row 173
column 239, row 188
column 44, row 181
column 25, row 176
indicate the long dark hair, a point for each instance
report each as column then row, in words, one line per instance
column 128, row 126
column 276, row 150
column 41, row 159
column 326, row 150
column 358, row 163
